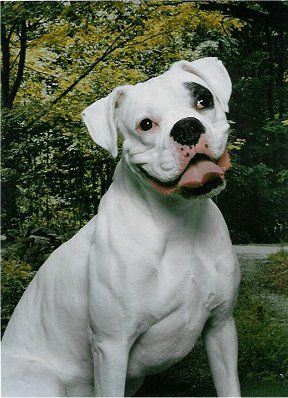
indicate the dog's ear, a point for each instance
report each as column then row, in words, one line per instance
column 214, row 73
column 100, row 119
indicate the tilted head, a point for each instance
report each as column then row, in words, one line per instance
column 174, row 127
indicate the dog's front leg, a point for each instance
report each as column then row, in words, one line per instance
column 222, row 349
column 110, row 366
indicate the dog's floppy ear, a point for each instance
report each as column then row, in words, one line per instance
column 214, row 73
column 100, row 120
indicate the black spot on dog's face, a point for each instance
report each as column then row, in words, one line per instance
column 201, row 97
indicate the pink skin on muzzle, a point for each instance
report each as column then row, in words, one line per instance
column 197, row 173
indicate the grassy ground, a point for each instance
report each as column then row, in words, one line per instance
column 262, row 322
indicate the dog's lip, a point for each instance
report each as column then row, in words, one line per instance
column 200, row 171
column 214, row 177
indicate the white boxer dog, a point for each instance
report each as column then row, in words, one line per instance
column 132, row 291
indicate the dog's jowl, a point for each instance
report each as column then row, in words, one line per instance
column 131, row 292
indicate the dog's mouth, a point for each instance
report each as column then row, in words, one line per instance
column 201, row 176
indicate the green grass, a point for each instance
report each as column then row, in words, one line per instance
column 262, row 322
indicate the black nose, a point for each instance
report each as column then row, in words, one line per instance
column 187, row 131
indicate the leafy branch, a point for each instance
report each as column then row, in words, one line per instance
column 109, row 50
column 116, row 44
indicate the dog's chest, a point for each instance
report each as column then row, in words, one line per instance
column 187, row 291
column 188, row 280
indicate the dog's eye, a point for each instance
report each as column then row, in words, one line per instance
column 200, row 104
column 146, row 124
column 204, row 102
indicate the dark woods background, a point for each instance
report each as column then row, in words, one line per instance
column 59, row 57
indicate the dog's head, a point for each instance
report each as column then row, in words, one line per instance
column 174, row 127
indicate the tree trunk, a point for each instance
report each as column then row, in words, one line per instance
column 8, row 96
column 5, row 70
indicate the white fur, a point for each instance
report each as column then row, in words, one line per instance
column 131, row 292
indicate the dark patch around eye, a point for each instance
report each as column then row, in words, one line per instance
column 198, row 92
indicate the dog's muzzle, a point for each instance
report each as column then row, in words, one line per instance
column 199, row 173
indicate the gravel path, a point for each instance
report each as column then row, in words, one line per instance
column 258, row 251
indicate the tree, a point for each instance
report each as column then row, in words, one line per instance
column 64, row 71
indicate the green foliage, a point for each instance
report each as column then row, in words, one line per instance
column 16, row 276
column 30, row 245
column 77, row 52
column 254, row 203
column 53, row 175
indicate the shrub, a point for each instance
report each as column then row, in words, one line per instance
column 16, row 275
